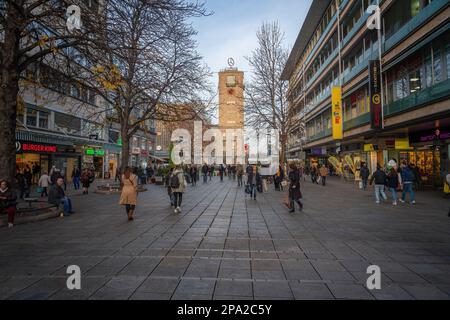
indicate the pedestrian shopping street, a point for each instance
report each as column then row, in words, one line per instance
column 226, row 246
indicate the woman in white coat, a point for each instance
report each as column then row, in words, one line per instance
column 44, row 182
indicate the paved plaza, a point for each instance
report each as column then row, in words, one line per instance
column 226, row 246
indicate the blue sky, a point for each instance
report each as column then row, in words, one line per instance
column 231, row 30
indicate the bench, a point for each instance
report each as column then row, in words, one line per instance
column 30, row 201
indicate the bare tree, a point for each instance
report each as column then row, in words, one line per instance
column 266, row 94
column 32, row 31
column 147, row 65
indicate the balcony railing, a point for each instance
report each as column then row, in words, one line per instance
column 357, row 122
column 418, row 98
column 414, row 23
column 322, row 134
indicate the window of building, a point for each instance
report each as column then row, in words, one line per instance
column 437, row 66
column 447, row 59
column 43, row 119
column 31, row 117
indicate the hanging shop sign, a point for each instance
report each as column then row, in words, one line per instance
column 336, row 112
column 95, row 152
column 376, row 111
column 402, row 144
column 35, row 147
column 370, row 147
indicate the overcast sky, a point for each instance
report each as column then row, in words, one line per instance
column 231, row 30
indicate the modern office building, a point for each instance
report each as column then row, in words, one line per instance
column 334, row 48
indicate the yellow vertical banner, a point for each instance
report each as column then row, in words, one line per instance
column 336, row 113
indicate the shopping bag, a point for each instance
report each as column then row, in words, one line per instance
column 360, row 185
column 446, row 188
column 39, row 190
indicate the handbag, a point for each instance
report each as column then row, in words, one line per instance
column 39, row 189
column 284, row 183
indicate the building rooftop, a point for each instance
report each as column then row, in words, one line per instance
column 315, row 13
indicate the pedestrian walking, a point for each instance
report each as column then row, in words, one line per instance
column 364, row 171
column 24, row 188
column 57, row 196
column 379, row 176
column 85, row 181
column 294, row 188
column 169, row 188
column 408, row 179
column 221, row 172
column 314, row 175
column 447, row 180
column 205, row 171
column 392, row 184
column 240, row 174
column 76, row 176
column 323, row 171
column 193, row 174
column 178, row 185
column 128, row 197
column 8, row 201
column 254, row 180
column 43, row 183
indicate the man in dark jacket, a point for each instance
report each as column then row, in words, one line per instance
column 294, row 188
column 380, row 179
column 408, row 179
column 57, row 197
column 254, row 180
column 364, row 175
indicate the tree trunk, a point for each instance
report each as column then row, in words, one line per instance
column 125, row 158
column 283, row 140
column 9, row 90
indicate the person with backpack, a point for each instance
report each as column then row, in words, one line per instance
column 128, row 197
column 392, row 184
column 379, row 176
column 178, row 185
column 408, row 179
column 169, row 188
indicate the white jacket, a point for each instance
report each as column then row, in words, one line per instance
column 44, row 181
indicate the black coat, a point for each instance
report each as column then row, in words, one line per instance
column 379, row 177
column 10, row 200
column 392, row 180
column 56, row 194
column 258, row 179
column 294, row 185
column 364, row 173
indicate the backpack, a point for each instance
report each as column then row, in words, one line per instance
column 174, row 181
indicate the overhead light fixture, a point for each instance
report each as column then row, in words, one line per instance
column 414, row 79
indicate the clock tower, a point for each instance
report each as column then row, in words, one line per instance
column 231, row 98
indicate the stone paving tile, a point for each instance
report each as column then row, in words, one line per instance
column 310, row 291
column 234, row 288
column 391, row 292
column 196, row 287
column 263, row 289
column 426, row 292
column 349, row 291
